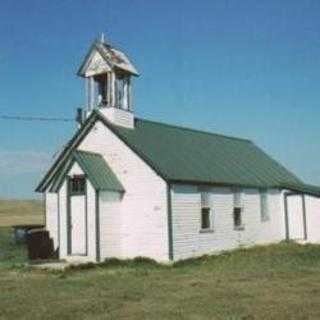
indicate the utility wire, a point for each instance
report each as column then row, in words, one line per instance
column 23, row 118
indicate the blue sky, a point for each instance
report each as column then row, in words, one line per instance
column 245, row 68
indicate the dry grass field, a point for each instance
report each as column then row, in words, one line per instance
column 13, row 212
column 272, row 282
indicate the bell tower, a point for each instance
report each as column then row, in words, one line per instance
column 108, row 73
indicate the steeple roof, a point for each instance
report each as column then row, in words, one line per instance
column 115, row 58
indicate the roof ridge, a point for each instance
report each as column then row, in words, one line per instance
column 194, row 130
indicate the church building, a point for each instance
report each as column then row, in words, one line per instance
column 125, row 187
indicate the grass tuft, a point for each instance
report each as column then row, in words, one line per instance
column 138, row 262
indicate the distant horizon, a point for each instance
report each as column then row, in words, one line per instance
column 243, row 69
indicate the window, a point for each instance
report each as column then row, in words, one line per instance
column 264, row 205
column 205, row 218
column 237, row 210
column 77, row 185
column 205, row 212
column 237, row 219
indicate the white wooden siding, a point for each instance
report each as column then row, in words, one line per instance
column 51, row 201
column 188, row 241
column 119, row 116
column 63, row 221
column 313, row 219
column 91, row 214
column 295, row 217
column 78, row 222
column 110, row 225
column 143, row 208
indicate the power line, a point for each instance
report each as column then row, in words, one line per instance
column 25, row 118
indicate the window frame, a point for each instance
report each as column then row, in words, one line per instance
column 238, row 227
column 238, row 205
column 206, row 206
column 82, row 185
column 206, row 211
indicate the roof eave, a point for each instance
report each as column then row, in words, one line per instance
column 221, row 184
column 80, row 72
column 74, row 141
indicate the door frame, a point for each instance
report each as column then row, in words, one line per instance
column 69, row 216
column 304, row 214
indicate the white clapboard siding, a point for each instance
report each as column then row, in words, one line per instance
column 62, row 194
column 313, row 219
column 119, row 116
column 189, row 242
column 110, row 224
column 143, row 208
column 91, row 216
column 295, row 217
column 51, row 201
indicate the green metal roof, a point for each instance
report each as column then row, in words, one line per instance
column 96, row 169
column 185, row 155
column 305, row 188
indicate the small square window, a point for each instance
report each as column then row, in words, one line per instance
column 205, row 218
column 237, row 218
column 77, row 185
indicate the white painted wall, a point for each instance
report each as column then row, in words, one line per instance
column 62, row 195
column 111, row 225
column 78, row 217
column 51, row 201
column 295, row 217
column 91, row 213
column 143, row 209
column 118, row 116
column 313, row 219
column 186, row 216
column 295, row 212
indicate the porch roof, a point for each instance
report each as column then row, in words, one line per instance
column 95, row 168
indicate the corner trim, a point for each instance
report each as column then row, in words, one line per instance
column 304, row 213
column 44, row 203
column 98, row 256
column 69, row 239
column 86, row 215
column 59, row 227
column 170, row 231
column 286, row 216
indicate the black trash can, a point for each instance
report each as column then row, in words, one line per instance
column 40, row 245
column 20, row 232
